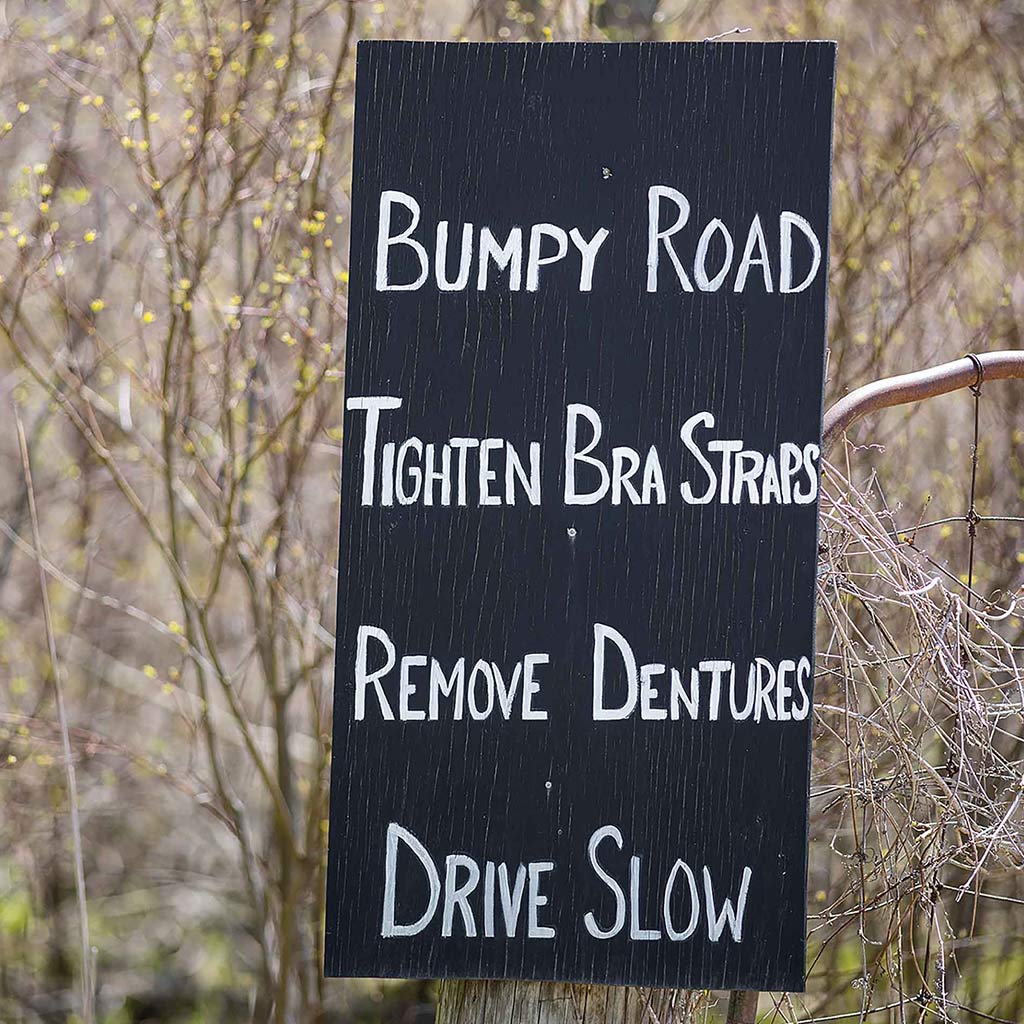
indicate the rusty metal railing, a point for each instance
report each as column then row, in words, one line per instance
column 913, row 387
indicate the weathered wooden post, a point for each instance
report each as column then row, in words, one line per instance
column 485, row 1002
column 578, row 543
column 489, row 1002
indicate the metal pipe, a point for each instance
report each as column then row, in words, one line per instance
column 913, row 387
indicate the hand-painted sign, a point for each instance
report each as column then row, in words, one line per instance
column 580, row 480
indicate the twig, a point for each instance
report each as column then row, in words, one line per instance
column 88, row 1015
column 735, row 31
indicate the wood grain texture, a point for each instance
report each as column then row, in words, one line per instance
column 531, row 1002
column 574, row 136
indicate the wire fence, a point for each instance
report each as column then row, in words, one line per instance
column 918, row 768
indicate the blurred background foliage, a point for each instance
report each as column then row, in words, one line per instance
column 174, row 195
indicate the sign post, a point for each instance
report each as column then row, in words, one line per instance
column 579, row 513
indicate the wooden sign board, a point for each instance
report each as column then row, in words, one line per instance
column 579, row 512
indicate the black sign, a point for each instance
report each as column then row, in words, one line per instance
column 580, row 477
